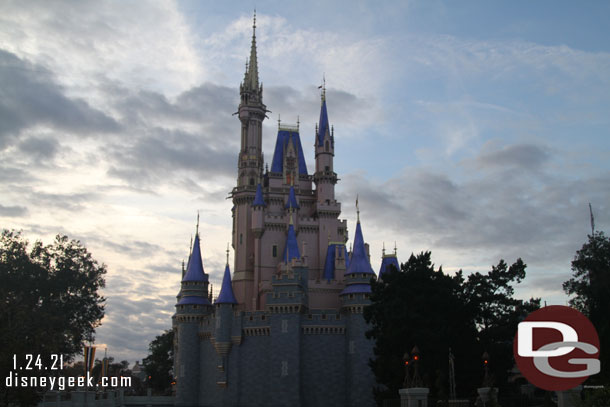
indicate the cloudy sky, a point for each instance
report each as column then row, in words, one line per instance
column 476, row 130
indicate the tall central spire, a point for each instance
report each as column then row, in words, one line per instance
column 252, row 82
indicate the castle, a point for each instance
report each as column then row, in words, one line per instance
column 286, row 328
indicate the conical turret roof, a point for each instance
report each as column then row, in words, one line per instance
column 226, row 295
column 194, row 271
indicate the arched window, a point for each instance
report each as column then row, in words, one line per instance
column 326, row 146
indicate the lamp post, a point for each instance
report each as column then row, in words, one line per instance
column 416, row 382
column 407, row 361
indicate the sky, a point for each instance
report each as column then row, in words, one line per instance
column 477, row 130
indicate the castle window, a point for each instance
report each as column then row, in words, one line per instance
column 284, row 326
column 262, row 317
column 274, row 250
column 352, row 347
column 338, row 316
column 241, row 238
column 326, row 168
column 326, row 147
column 323, row 316
column 251, row 181
column 284, row 368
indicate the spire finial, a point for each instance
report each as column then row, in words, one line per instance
column 191, row 248
column 279, row 121
column 298, row 122
column 197, row 227
column 357, row 209
column 323, row 87
column 227, row 253
column 254, row 25
column 395, row 250
column 383, row 249
column 291, row 222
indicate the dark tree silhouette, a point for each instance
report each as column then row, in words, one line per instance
column 159, row 363
column 49, row 302
column 421, row 306
column 590, row 288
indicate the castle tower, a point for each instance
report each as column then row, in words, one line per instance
column 224, row 324
column 325, row 178
column 354, row 297
column 250, row 168
column 192, row 306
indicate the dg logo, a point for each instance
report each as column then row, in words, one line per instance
column 556, row 348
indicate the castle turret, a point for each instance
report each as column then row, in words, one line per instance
column 325, row 177
column 354, row 297
column 224, row 323
column 192, row 306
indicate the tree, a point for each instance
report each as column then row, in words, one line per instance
column 497, row 314
column 160, row 361
column 590, row 288
column 421, row 306
column 50, row 302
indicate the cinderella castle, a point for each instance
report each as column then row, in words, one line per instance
column 286, row 328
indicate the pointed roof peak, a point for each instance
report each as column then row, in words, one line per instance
column 194, row 270
column 359, row 262
column 226, row 295
column 252, row 71
column 323, row 126
column 292, row 202
column 258, row 198
column 291, row 251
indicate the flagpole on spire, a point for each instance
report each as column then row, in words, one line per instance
column 357, row 209
column 227, row 253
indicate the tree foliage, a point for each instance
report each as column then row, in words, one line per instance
column 49, row 296
column 421, row 306
column 159, row 363
column 590, row 288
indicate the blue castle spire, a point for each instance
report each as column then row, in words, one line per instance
column 292, row 202
column 194, row 290
column 226, row 295
column 258, row 198
column 323, row 126
column 359, row 262
column 291, row 251
column 194, row 271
